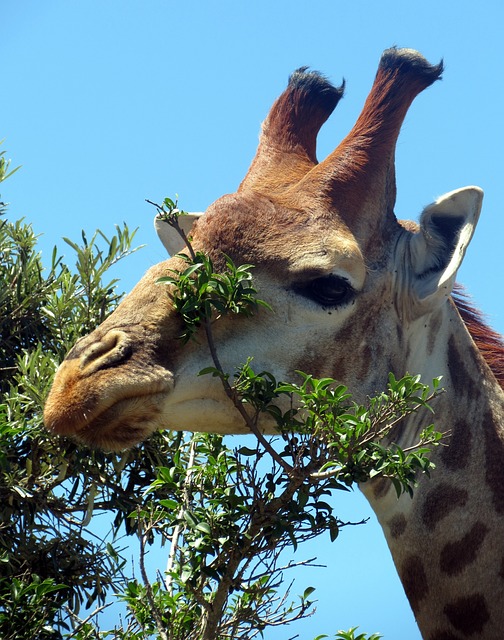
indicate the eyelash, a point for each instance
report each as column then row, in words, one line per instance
column 327, row 291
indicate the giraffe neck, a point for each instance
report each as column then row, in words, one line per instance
column 447, row 541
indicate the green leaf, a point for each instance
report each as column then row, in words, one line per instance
column 169, row 504
column 307, row 592
column 204, row 527
column 190, row 519
column 333, row 531
column 247, row 451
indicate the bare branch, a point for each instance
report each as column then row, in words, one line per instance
column 178, row 529
column 156, row 614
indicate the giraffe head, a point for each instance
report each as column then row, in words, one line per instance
column 343, row 277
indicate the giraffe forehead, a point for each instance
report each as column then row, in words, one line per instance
column 263, row 233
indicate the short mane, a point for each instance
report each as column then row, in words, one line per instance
column 489, row 342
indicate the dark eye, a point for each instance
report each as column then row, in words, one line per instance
column 328, row 291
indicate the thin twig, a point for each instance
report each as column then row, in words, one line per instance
column 177, row 532
column 148, row 587
column 83, row 622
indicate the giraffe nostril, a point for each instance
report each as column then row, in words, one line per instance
column 111, row 350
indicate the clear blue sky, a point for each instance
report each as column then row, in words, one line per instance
column 106, row 103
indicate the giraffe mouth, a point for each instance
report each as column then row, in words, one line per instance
column 113, row 417
column 124, row 424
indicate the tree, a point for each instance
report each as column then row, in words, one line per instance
column 225, row 515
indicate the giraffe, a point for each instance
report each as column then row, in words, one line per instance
column 355, row 294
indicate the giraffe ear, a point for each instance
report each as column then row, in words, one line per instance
column 438, row 248
column 172, row 240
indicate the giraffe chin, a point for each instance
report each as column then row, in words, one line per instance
column 210, row 415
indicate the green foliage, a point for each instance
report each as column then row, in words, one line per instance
column 25, row 602
column 51, row 562
column 51, row 308
column 350, row 437
column 226, row 533
column 350, row 635
column 200, row 293
column 4, row 166
column 4, row 174
column 49, row 489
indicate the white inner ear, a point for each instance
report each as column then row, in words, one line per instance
column 171, row 239
column 446, row 228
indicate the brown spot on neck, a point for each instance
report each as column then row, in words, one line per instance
column 456, row 455
column 380, row 486
column 468, row 615
column 456, row 556
column 501, row 572
column 463, row 385
column 397, row 525
column 494, row 461
column 414, row 581
column 440, row 501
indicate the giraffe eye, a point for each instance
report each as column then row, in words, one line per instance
column 327, row 291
